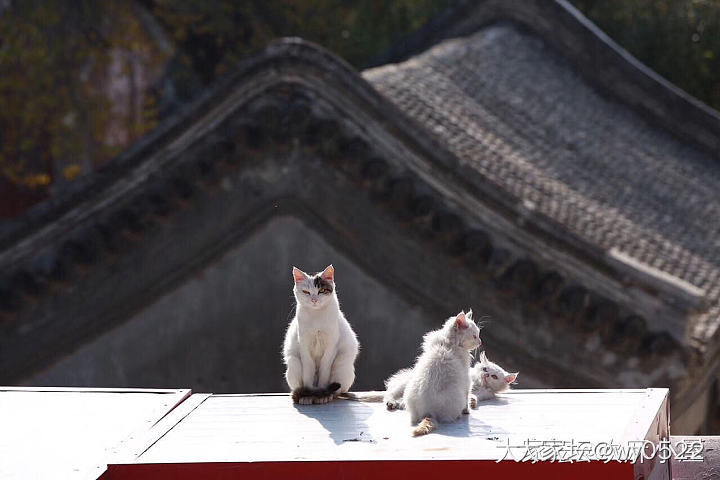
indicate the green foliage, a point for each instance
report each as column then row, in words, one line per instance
column 679, row 39
column 55, row 114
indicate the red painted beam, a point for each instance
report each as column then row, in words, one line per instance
column 376, row 470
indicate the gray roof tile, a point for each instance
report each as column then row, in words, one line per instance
column 506, row 104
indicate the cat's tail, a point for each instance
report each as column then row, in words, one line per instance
column 314, row 395
column 372, row 397
column 425, row 426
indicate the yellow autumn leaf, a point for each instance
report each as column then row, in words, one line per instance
column 71, row 172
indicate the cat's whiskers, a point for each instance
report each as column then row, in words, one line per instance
column 482, row 321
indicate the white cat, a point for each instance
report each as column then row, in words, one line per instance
column 489, row 378
column 439, row 384
column 320, row 346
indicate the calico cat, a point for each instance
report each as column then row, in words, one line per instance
column 320, row 346
column 489, row 379
column 438, row 386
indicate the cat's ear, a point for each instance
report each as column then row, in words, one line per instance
column 483, row 357
column 461, row 321
column 329, row 273
column 510, row 377
column 468, row 315
column 299, row 275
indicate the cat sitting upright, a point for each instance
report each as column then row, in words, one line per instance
column 488, row 379
column 320, row 346
column 438, row 387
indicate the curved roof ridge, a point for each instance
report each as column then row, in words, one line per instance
column 601, row 60
column 283, row 62
column 287, row 50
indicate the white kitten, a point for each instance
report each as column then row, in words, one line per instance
column 439, row 383
column 489, row 378
column 320, row 346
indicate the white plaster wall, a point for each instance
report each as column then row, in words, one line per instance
column 222, row 330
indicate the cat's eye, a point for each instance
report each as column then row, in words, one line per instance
column 484, row 369
column 494, row 376
column 306, row 292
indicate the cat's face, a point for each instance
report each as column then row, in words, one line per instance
column 492, row 375
column 468, row 333
column 314, row 291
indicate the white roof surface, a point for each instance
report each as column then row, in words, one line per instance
column 71, row 432
column 254, row 428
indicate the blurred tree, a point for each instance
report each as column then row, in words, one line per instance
column 63, row 104
column 212, row 35
column 679, row 39
column 77, row 77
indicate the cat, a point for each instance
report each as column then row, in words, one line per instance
column 489, row 379
column 320, row 345
column 439, row 383
column 394, row 388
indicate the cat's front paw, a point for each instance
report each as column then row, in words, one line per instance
column 473, row 401
column 392, row 405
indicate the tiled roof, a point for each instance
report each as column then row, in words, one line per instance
column 512, row 109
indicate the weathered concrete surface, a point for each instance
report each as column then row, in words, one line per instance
column 222, row 330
